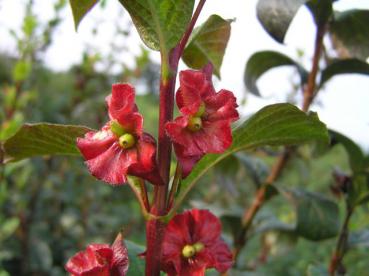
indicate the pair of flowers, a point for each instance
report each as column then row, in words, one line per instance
column 191, row 244
column 121, row 147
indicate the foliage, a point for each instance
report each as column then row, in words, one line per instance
column 51, row 208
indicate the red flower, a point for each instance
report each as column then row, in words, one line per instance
column 100, row 260
column 120, row 147
column 192, row 243
column 205, row 124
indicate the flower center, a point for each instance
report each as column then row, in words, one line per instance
column 127, row 141
column 189, row 251
column 194, row 124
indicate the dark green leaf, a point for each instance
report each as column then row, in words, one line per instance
column 136, row 264
column 321, row 10
column 276, row 16
column 317, row 217
column 350, row 33
column 160, row 23
column 359, row 239
column 80, row 8
column 354, row 152
column 208, row 44
column 344, row 66
column 43, row 139
column 278, row 124
column 261, row 62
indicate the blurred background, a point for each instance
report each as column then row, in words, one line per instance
column 51, row 207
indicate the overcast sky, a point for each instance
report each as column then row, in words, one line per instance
column 343, row 104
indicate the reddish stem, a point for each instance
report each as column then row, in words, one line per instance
column 155, row 228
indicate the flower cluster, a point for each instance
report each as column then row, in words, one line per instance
column 121, row 147
column 205, row 124
column 100, row 260
column 192, row 243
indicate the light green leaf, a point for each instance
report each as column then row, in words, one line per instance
column 80, row 8
column 136, row 264
column 160, row 23
column 43, row 139
column 317, row 216
column 278, row 124
column 208, row 44
column 261, row 62
column 350, row 33
column 344, row 66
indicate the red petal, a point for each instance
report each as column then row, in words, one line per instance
column 194, row 86
column 132, row 123
column 214, row 137
column 207, row 227
column 112, row 165
column 121, row 102
column 223, row 258
column 146, row 160
column 120, row 263
column 177, row 235
column 186, row 162
column 177, row 131
column 221, row 106
column 87, row 263
column 95, row 143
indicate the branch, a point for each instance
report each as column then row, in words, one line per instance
column 309, row 94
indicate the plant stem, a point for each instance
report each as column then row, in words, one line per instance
column 310, row 88
column 338, row 254
column 309, row 94
column 155, row 228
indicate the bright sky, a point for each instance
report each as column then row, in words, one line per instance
column 342, row 105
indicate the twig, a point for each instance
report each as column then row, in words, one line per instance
column 339, row 252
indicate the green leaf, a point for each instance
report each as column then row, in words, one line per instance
column 160, row 23
column 8, row 227
column 317, row 216
column 136, row 264
column 344, row 66
column 80, row 8
column 275, row 125
column 350, row 33
column 208, row 44
column 354, row 152
column 43, row 139
column 261, row 62
column 276, row 16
